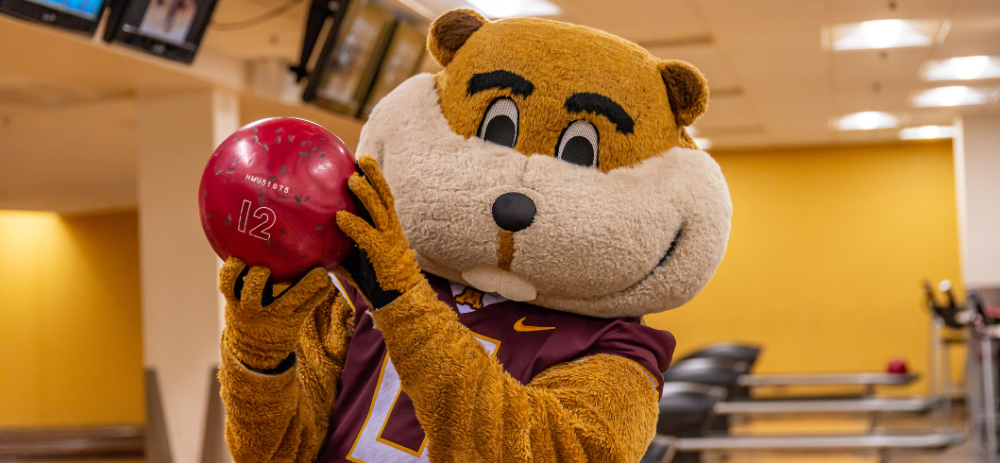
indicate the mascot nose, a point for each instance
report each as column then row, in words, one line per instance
column 513, row 211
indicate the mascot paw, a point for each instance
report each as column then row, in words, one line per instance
column 385, row 267
column 262, row 330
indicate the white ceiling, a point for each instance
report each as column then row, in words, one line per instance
column 280, row 37
column 68, row 108
column 772, row 81
column 69, row 159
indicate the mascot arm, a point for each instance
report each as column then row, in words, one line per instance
column 281, row 363
column 600, row 408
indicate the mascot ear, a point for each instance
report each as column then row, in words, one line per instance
column 687, row 90
column 450, row 31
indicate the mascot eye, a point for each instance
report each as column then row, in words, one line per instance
column 578, row 144
column 500, row 123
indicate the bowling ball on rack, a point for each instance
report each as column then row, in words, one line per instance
column 897, row 366
column 270, row 193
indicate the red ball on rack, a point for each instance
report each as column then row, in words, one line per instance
column 270, row 194
column 897, row 366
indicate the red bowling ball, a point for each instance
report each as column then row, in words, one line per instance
column 897, row 366
column 270, row 194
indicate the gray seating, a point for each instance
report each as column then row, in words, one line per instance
column 661, row 450
column 687, row 408
column 683, row 404
column 730, row 350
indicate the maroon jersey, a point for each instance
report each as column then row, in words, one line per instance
column 374, row 421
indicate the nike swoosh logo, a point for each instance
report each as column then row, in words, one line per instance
column 519, row 326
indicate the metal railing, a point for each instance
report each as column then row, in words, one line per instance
column 146, row 441
column 72, row 443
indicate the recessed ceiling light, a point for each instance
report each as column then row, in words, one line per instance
column 957, row 95
column 885, row 33
column 882, row 34
column 508, row 8
column 964, row 68
column 703, row 143
column 927, row 132
column 867, row 120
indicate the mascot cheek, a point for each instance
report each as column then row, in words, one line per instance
column 591, row 236
column 705, row 209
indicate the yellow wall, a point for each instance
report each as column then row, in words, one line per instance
column 70, row 327
column 825, row 259
column 826, row 256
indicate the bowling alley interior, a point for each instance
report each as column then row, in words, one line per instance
column 729, row 231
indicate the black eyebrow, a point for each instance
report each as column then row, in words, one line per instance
column 500, row 79
column 599, row 104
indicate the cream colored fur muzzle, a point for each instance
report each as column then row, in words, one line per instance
column 629, row 242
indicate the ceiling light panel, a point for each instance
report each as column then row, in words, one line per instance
column 957, row 95
column 493, row 9
column 867, row 120
column 857, row 10
column 927, row 132
column 651, row 24
column 883, row 33
column 963, row 68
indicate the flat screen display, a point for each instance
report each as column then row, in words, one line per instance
column 82, row 8
column 74, row 15
column 348, row 63
column 401, row 60
column 172, row 29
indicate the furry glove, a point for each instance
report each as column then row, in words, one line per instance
column 385, row 267
column 263, row 330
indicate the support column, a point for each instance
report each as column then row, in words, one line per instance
column 977, row 180
column 180, row 304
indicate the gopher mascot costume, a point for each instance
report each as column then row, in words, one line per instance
column 526, row 206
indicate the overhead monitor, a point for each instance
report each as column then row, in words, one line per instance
column 400, row 61
column 350, row 58
column 80, row 16
column 171, row 29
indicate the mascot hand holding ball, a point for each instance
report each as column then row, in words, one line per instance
column 517, row 214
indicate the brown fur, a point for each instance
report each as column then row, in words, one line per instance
column 687, row 89
column 396, row 268
column 560, row 60
column 599, row 409
column 264, row 336
column 283, row 418
column 450, row 31
column 469, row 407
column 505, row 249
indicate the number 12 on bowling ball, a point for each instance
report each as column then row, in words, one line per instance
column 265, row 213
column 270, row 193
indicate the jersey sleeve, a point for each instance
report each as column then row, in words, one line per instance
column 650, row 348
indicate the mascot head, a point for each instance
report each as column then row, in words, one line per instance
column 549, row 163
